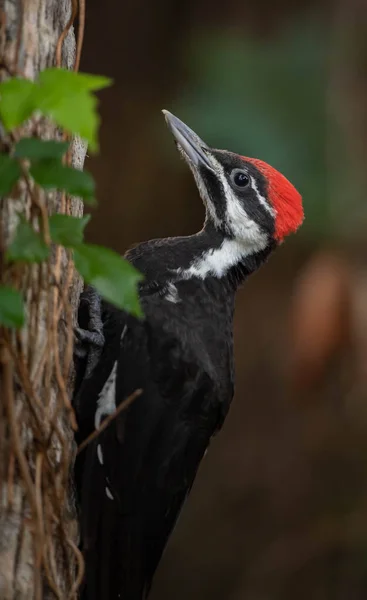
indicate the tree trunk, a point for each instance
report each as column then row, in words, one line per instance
column 38, row 530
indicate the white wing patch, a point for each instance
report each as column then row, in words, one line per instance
column 106, row 398
column 100, row 454
column 106, row 403
column 106, row 406
column 172, row 293
column 108, row 493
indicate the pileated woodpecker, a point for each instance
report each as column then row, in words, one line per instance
column 134, row 478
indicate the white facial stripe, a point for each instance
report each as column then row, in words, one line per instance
column 217, row 167
column 261, row 198
column 241, row 226
column 248, row 236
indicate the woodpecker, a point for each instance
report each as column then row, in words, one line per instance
column 133, row 479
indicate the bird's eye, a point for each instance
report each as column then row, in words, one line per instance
column 240, row 178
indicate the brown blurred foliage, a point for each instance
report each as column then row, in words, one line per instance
column 320, row 317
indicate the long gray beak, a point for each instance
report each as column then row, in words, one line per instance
column 192, row 145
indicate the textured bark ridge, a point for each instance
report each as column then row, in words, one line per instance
column 38, row 531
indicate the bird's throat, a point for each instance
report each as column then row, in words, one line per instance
column 201, row 256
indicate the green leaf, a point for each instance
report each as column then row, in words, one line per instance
column 67, row 230
column 78, row 115
column 36, row 149
column 66, row 97
column 16, row 101
column 51, row 174
column 10, row 172
column 70, row 81
column 113, row 276
column 27, row 245
column 12, row 313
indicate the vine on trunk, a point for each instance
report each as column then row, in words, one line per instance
column 39, row 248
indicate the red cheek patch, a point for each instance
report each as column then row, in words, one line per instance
column 285, row 199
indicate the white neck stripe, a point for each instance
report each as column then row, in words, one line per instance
column 217, row 262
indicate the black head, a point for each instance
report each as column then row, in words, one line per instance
column 245, row 198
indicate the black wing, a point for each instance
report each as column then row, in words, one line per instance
column 135, row 477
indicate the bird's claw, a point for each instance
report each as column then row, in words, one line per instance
column 85, row 340
column 89, row 342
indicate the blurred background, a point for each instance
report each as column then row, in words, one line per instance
column 279, row 508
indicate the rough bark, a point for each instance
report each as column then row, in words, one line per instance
column 38, row 528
